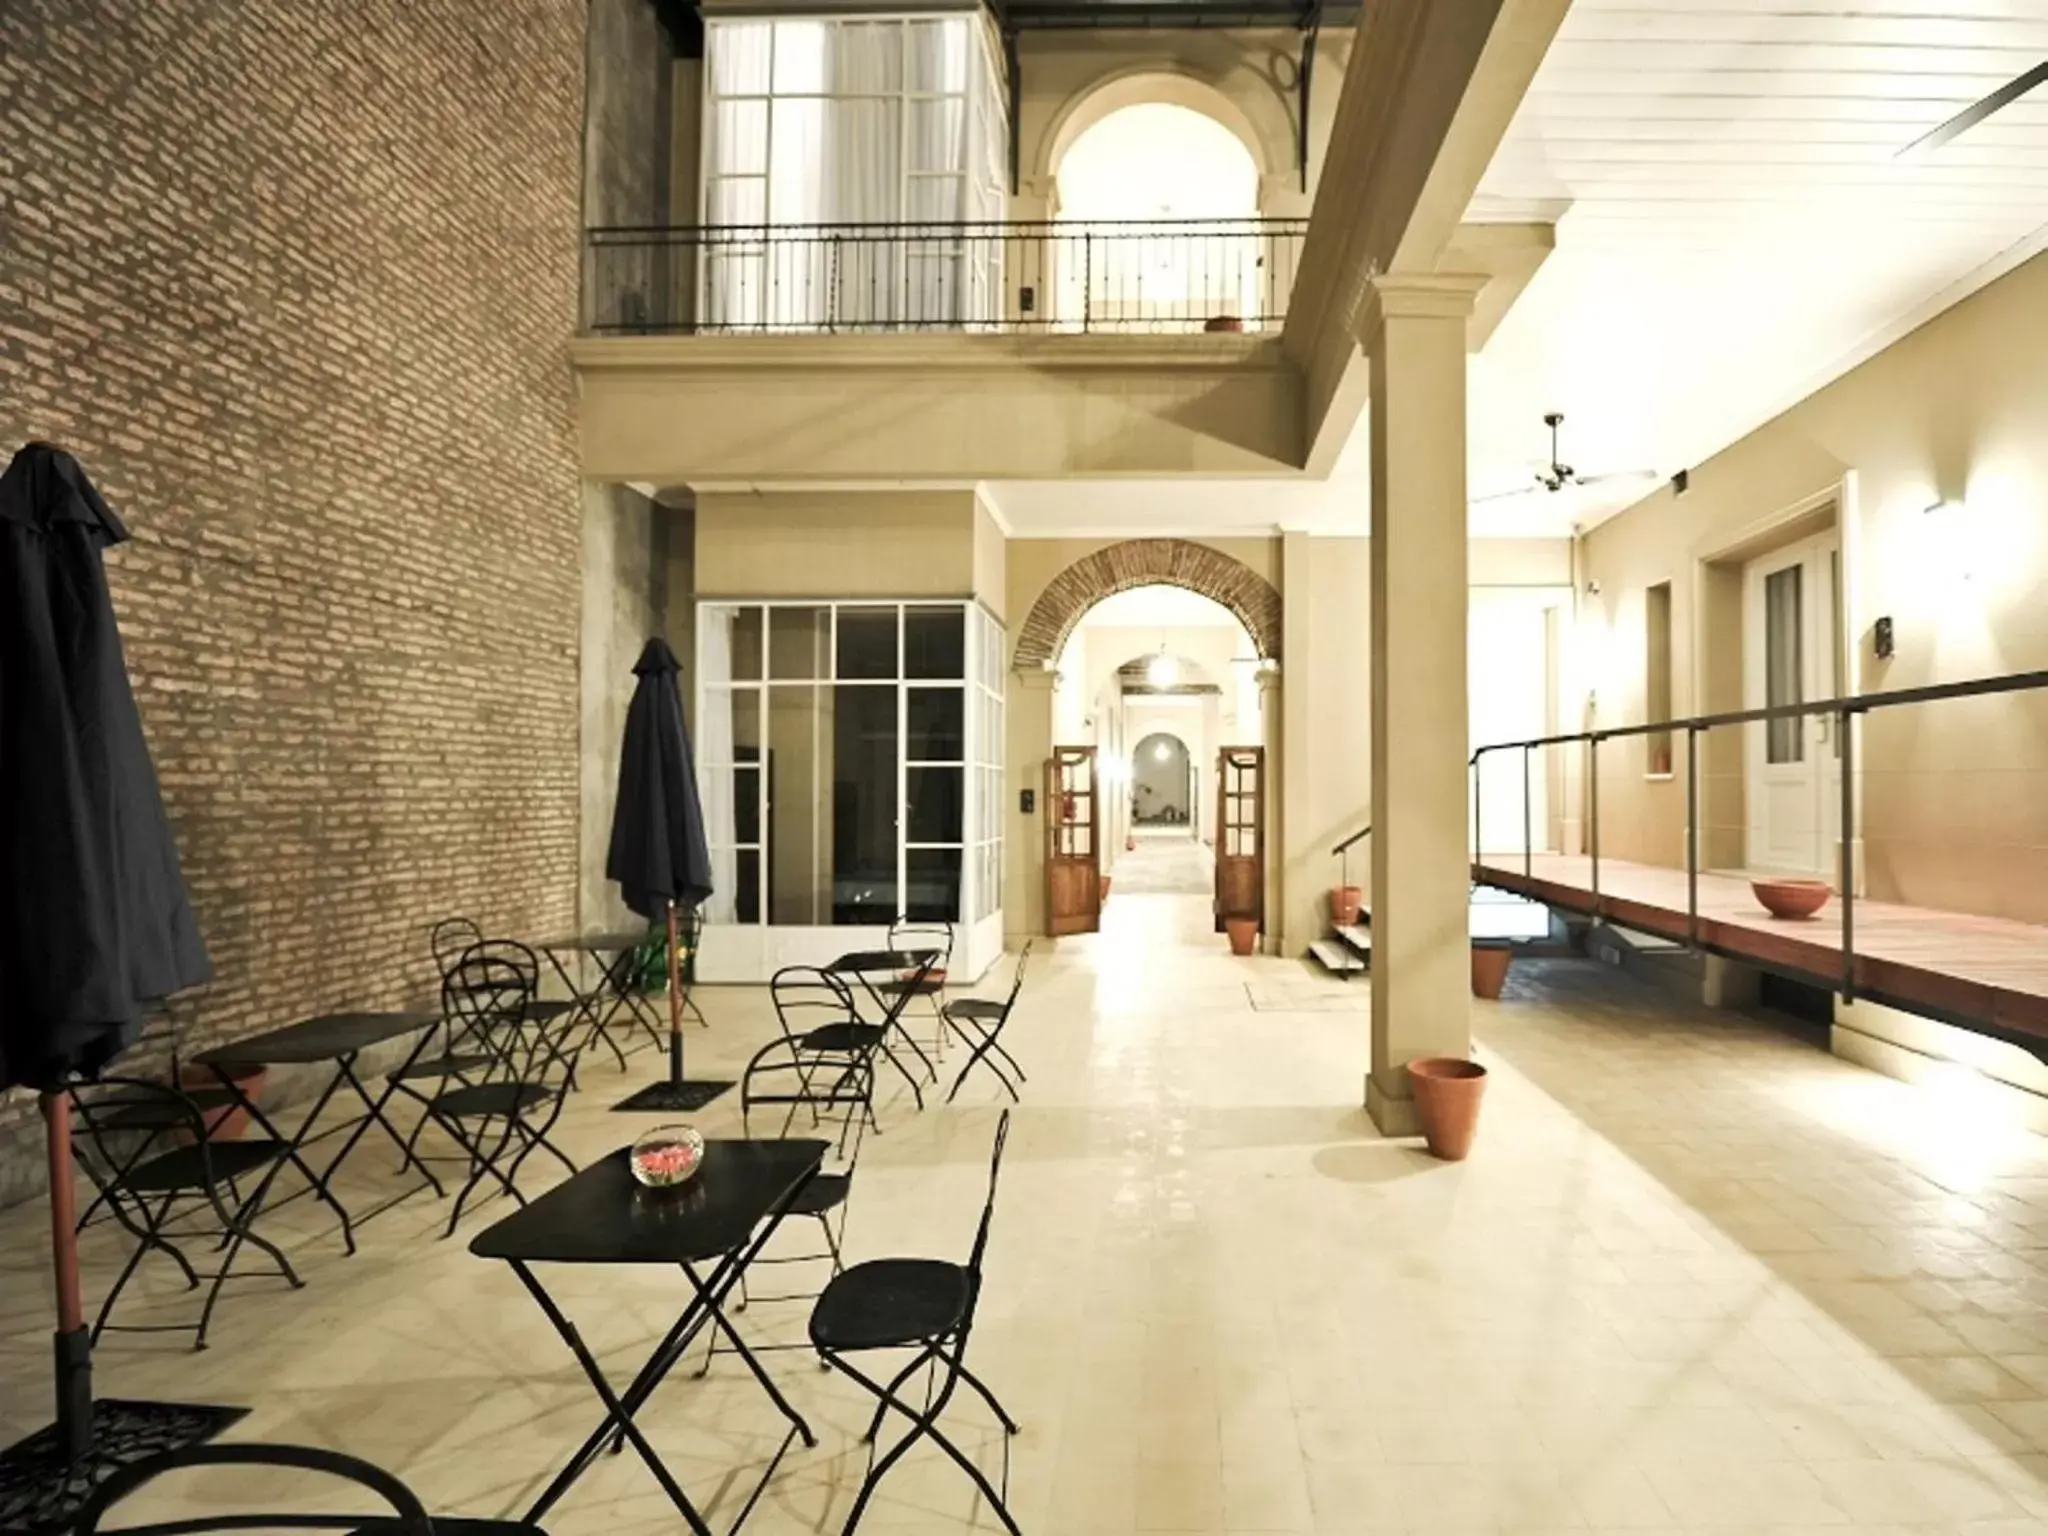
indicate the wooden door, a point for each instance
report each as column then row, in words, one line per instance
column 1240, row 834
column 1073, row 843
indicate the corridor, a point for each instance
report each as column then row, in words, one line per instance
column 1165, row 861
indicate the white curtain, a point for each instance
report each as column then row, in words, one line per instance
column 714, row 760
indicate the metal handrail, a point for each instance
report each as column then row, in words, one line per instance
column 1845, row 710
column 1360, row 835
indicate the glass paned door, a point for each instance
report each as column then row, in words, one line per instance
column 1240, row 834
column 1073, row 843
column 1792, row 647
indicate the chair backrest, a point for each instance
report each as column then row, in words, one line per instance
column 1023, row 959
column 408, row 1515
column 450, row 938
column 136, row 1107
column 908, row 933
column 807, row 998
column 489, row 995
column 988, row 1211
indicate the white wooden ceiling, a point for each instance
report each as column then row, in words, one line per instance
column 1734, row 224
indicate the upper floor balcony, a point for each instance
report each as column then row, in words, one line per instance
column 1147, row 277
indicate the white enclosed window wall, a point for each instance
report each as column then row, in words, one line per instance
column 845, row 162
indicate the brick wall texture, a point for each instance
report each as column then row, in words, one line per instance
column 295, row 281
column 1140, row 563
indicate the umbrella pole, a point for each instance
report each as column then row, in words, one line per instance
column 73, row 1347
column 675, row 1001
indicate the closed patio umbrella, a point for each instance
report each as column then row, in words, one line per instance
column 95, row 922
column 658, row 854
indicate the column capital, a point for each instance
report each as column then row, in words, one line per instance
column 1417, row 296
column 1267, row 674
column 1038, row 679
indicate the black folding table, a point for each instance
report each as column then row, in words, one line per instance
column 864, row 965
column 336, row 1038
column 723, row 1217
column 600, row 1005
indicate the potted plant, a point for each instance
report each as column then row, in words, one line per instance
column 1490, row 960
column 1223, row 323
column 1346, row 901
column 1447, row 1092
column 1244, row 934
column 224, row 1121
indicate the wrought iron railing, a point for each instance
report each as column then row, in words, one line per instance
column 1843, row 712
column 1156, row 277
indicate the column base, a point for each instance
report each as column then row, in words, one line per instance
column 1392, row 1112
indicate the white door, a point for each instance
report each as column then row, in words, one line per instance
column 1792, row 648
column 1507, row 658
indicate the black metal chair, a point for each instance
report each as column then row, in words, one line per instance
column 923, row 1305
column 407, row 1518
column 501, row 1120
column 907, row 934
column 157, row 1192
column 825, row 1058
column 980, row 1022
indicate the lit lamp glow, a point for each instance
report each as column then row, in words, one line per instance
column 1162, row 752
column 1162, row 671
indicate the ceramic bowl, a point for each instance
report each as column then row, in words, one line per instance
column 1792, row 899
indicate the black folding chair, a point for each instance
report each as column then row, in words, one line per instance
column 825, row 1059
column 980, row 1022
column 462, row 1056
column 407, row 1517
column 157, row 1195
column 923, row 1305
column 909, row 935
column 500, row 1121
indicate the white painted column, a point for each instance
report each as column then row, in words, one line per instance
column 1413, row 331
column 1028, row 723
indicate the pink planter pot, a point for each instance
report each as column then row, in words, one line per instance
column 1346, row 902
column 1244, row 934
column 227, row 1122
column 1792, row 900
column 1490, row 969
column 1447, row 1092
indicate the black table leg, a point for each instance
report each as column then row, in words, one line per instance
column 585, row 1009
column 294, row 1144
column 376, row 1113
column 720, row 1321
column 620, row 1415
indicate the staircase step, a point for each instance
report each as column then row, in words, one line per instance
column 1335, row 957
column 1358, row 936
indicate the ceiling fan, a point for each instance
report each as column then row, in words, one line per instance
column 1558, row 475
column 1976, row 112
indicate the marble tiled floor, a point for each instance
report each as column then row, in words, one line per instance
column 1698, row 1276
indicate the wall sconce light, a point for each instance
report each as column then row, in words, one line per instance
column 1881, row 639
column 1592, row 589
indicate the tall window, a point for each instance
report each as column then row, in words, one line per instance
column 1657, row 672
column 814, row 129
column 850, row 761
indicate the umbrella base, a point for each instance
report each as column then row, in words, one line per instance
column 42, row 1488
column 673, row 1095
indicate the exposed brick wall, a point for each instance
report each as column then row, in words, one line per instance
column 1142, row 563
column 295, row 282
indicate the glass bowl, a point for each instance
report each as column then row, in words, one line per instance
column 668, row 1156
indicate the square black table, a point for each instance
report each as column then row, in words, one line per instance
column 602, row 1215
column 909, row 967
column 600, row 1005
column 337, row 1038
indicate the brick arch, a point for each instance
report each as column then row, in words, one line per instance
column 1251, row 599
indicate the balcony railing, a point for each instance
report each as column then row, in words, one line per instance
column 1149, row 277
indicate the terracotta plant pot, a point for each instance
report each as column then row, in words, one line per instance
column 224, row 1122
column 1345, row 904
column 1447, row 1093
column 1792, row 899
column 1223, row 323
column 1490, row 969
column 1130, row 842
column 1244, row 934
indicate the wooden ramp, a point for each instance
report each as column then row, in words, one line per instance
column 1986, row 974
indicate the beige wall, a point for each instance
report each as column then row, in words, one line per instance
column 838, row 544
column 1243, row 79
column 991, row 559
column 1955, row 809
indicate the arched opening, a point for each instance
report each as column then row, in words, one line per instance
column 1157, row 206
column 1162, row 782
